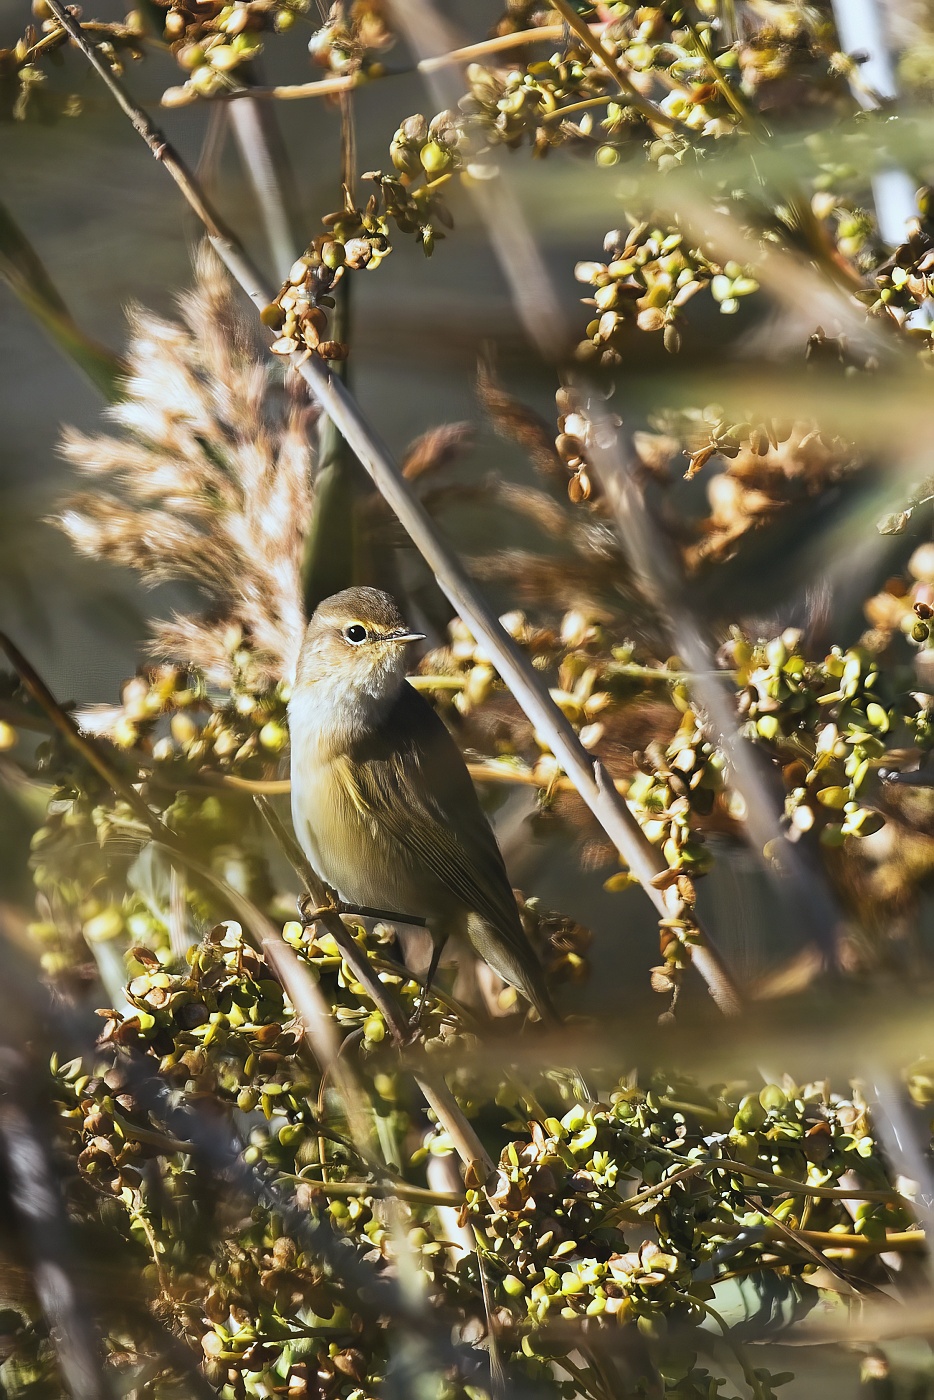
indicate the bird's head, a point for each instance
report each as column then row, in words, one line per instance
column 357, row 640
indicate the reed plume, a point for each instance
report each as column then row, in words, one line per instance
column 207, row 479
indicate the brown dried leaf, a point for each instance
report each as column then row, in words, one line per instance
column 516, row 423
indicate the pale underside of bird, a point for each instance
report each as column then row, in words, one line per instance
column 382, row 802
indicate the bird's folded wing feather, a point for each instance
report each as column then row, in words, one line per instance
column 411, row 778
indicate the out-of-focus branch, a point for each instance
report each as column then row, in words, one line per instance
column 37, row 1200
column 144, row 819
column 861, row 29
column 264, row 161
column 906, row 1150
column 22, row 269
column 281, row 787
column 648, row 553
column 64, row 723
column 651, row 559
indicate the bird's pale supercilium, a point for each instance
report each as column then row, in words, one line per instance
column 382, row 802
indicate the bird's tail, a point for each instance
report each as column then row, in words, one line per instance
column 520, row 967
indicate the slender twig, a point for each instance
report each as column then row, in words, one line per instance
column 64, row 723
column 805, row 1188
column 469, row 53
column 560, row 113
column 497, row 1374
column 285, row 92
column 732, row 98
column 750, row 1374
column 759, row 1174
column 438, row 1096
column 611, row 811
column 610, row 62
column 547, row 33
column 378, row 1191
column 321, row 1035
column 280, row 787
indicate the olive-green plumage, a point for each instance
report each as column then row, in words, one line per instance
column 382, row 802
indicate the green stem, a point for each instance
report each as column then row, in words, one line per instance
column 659, row 673
column 353, row 1190
column 24, row 272
column 560, row 113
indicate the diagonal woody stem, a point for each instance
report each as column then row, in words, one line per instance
column 601, row 797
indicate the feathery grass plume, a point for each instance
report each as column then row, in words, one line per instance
column 212, row 478
column 436, row 448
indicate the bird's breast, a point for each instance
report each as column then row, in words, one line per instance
column 345, row 843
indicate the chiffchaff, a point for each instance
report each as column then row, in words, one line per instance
column 382, row 802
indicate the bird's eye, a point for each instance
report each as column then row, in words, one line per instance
column 355, row 633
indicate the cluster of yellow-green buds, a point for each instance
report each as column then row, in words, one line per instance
column 826, row 722
column 432, row 149
column 650, row 275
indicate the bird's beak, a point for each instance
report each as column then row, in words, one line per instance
column 405, row 637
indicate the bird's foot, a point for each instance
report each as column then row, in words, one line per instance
column 309, row 911
column 415, row 1025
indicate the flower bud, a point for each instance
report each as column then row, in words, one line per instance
column 224, row 57
column 435, row 158
column 191, row 56
column 179, row 96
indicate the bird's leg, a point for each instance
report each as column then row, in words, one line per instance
column 309, row 911
column 436, row 951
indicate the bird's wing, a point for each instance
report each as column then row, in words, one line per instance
column 410, row 777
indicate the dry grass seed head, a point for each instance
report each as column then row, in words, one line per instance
column 211, row 474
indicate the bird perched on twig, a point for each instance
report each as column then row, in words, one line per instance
column 382, row 802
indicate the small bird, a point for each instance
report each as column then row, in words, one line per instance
column 382, row 802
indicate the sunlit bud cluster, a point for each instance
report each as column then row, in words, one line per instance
column 827, row 724
column 210, row 41
column 650, row 275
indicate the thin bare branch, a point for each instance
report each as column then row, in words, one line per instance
column 322, row 1038
column 437, row 1095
